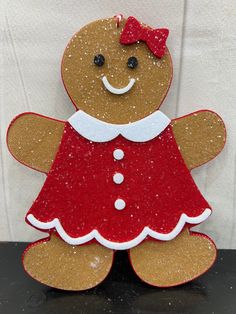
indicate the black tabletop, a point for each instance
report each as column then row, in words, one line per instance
column 122, row 292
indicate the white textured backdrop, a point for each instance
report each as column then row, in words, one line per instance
column 33, row 35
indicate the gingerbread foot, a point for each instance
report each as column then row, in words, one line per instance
column 166, row 264
column 60, row 265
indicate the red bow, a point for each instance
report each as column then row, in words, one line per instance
column 155, row 38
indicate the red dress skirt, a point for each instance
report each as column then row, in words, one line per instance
column 156, row 194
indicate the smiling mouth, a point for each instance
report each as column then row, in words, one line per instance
column 117, row 91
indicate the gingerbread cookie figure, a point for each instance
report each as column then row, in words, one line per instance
column 118, row 171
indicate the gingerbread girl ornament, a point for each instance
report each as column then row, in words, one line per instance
column 118, row 171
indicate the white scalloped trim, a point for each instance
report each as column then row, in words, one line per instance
column 55, row 223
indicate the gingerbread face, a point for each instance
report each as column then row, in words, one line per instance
column 110, row 81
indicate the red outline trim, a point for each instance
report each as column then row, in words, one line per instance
column 191, row 233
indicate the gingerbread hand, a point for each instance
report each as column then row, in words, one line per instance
column 34, row 139
column 200, row 137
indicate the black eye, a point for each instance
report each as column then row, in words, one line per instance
column 132, row 62
column 99, row 60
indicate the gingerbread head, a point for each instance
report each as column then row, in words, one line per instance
column 111, row 70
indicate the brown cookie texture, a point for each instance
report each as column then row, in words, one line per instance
column 171, row 263
column 82, row 78
column 60, row 265
column 200, row 136
column 34, row 140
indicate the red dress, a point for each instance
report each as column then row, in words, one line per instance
column 156, row 193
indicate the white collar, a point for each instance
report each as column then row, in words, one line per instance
column 99, row 131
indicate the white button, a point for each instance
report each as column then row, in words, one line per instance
column 118, row 154
column 118, row 178
column 119, row 204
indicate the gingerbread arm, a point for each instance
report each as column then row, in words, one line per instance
column 200, row 137
column 34, row 139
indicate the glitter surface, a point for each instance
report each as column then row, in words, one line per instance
column 166, row 264
column 80, row 191
column 34, row 139
column 60, row 265
column 155, row 39
column 200, row 137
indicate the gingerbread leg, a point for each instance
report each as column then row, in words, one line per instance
column 60, row 265
column 166, row 264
